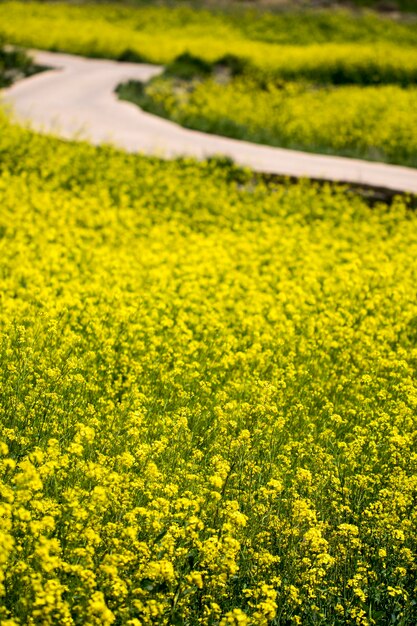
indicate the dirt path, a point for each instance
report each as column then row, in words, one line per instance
column 77, row 99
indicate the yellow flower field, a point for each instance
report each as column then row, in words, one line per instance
column 377, row 123
column 329, row 47
column 325, row 81
column 207, row 395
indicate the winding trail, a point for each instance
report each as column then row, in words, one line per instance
column 76, row 99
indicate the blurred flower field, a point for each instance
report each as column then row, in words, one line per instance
column 208, row 395
column 324, row 46
column 374, row 122
column 323, row 81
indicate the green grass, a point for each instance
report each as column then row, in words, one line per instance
column 399, row 5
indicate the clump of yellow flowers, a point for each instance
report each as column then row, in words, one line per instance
column 208, row 395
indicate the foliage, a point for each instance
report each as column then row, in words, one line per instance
column 14, row 63
column 349, row 120
column 390, row 5
column 208, row 395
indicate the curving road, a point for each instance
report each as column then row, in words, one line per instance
column 76, row 99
